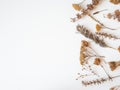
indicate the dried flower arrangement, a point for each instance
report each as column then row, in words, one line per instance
column 87, row 53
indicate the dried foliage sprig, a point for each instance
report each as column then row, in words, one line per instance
column 115, row 15
column 117, row 87
column 114, row 64
column 86, row 11
column 87, row 33
column 106, row 35
column 97, row 81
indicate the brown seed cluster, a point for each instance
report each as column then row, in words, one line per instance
column 115, row 15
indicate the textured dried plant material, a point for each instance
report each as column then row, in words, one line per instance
column 114, row 64
column 98, row 27
column 87, row 33
column 115, row 15
column 83, row 10
column 115, row 1
column 115, row 87
column 97, row 61
column 98, row 81
column 76, row 7
column 86, row 52
column 106, row 35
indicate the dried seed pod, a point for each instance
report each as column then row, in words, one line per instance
column 114, row 64
column 76, row 7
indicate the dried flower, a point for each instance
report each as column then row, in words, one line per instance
column 91, row 36
column 114, row 64
column 76, row 7
column 98, row 27
column 90, row 6
column 95, row 2
column 115, row 15
column 97, row 61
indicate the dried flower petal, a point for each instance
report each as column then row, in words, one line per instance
column 98, row 27
column 76, row 7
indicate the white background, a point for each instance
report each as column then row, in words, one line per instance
column 39, row 47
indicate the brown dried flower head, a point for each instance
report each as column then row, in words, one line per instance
column 98, row 27
column 97, row 61
column 114, row 64
column 85, row 43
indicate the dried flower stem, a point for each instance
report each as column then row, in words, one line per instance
column 103, row 26
column 97, row 12
column 98, row 81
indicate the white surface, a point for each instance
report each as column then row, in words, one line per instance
column 39, row 49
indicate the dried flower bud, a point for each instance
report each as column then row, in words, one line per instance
column 76, row 7
column 97, row 61
column 98, row 27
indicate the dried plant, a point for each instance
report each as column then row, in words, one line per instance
column 115, row 15
column 86, row 52
column 106, row 35
column 117, row 87
column 98, row 81
column 114, row 64
column 98, row 61
column 87, row 33
column 115, row 1
column 86, row 11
